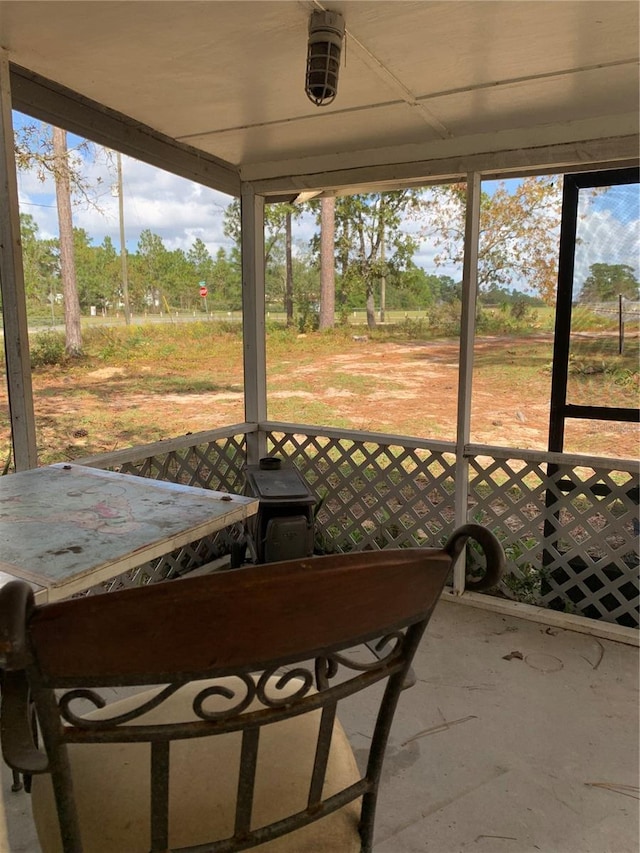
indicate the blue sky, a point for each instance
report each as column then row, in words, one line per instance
column 177, row 210
column 622, row 201
column 180, row 211
column 608, row 229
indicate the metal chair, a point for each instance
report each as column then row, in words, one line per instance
column 228, row 737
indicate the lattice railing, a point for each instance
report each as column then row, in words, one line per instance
column 209, row 460
column 177, row 563
column 569, row 529
column 216, row 462
column 569, row 525
column 373, row 491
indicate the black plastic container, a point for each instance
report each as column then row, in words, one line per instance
column 283, row 526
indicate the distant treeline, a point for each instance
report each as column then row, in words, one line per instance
column 160, row 279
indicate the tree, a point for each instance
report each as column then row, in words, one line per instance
column 366, row 223
column 151, row 265
column 277, row 249
column 180, row 286
column 109, row 263
column 198, row 255
column 227, row 275
column 415, row 289
column 40, row 262
column 200, row 260
column 306, row 290
column 33, row 146
column 518, row 233
column 97, row 271
column 44, row 148
column 606, row 282
column 88, row 277
column 73, row 331
column 327, row 262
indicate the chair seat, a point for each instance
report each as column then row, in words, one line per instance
column 111, row 784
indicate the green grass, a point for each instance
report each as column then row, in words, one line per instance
column 112, row 388
column 302, row 410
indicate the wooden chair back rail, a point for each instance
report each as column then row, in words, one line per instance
column 241, row 651
column 297, row 601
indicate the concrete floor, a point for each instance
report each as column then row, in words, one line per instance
column 516, row 738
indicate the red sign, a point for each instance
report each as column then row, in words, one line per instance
column 203, row 291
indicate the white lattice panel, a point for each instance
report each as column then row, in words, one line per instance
column 569, row 528
column 217, row 464
column 570, row 533
column 373, row 494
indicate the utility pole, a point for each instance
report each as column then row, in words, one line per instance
column 288, row 286
column 383, row 282
column 123, row 248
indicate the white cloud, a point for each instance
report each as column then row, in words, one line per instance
column 176, row 209
column 180, row 211
column 603, row 238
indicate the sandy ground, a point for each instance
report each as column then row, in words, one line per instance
column 397, row 388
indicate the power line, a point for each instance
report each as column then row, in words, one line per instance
column 36, row 204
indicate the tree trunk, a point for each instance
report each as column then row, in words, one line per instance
column 288, row 288
column 123, row 245
column 371, row 309
column 73, row 333
column 343, row 257
column 327, row 263
column 383, row 282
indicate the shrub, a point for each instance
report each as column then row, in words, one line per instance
column 520, row 309
column 308, row 319
column 48, row 348
column 444, row 319
column 412, row 329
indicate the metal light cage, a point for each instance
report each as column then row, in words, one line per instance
column 326, row 33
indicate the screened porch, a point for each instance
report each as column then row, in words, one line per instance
column 558, row 639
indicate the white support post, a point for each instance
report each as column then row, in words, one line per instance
column 253, row 313
column 465, row 368
column 14, row 307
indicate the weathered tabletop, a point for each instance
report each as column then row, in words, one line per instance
column 66, row 527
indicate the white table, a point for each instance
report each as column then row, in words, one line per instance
column 65, row 527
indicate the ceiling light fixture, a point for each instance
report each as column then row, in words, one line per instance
column 326, row 33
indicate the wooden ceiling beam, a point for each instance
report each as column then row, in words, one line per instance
column 50, row 102
column 513, row 155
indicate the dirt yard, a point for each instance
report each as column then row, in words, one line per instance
column 411, row 389
column 383, row 386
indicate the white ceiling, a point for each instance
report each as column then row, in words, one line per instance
column 426, row 88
